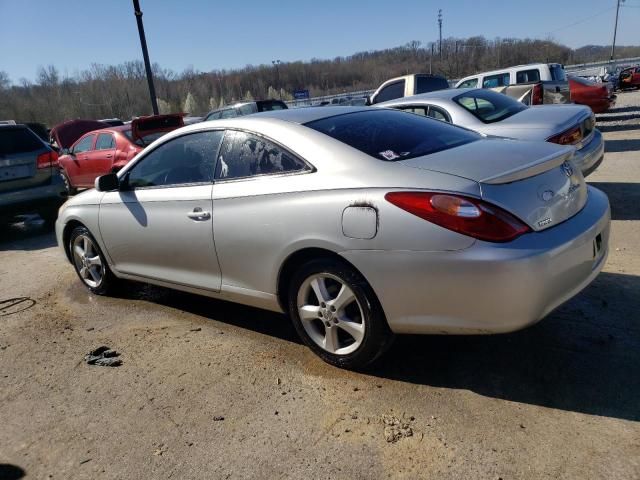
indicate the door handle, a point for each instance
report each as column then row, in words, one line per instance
column 198, row 214
column 109, row 156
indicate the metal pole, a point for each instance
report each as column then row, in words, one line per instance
column 145, row 54
column 431, row 58
column 615, row 30
column 440, row 28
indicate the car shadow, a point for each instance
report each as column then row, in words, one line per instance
column 28, row 234
column 583, row 358
column 618, row 128
column 628, row 145
column 615, row 110
column 623, row 197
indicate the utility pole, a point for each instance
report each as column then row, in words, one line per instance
column 276, row 63
column 440, row 28
column 145, row 54
column 615, row 30
column 431, row 58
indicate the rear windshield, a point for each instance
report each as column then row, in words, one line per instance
column 160, row 122
column 392, row 135
column 557, row 72
column 430, row 84
column 267, row 106
column 18, row 140
column 488, row 106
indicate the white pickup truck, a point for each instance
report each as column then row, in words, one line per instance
column 532, row 84
column 408, row 85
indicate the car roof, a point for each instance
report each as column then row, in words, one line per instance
column 308, row 114
column 446, row 94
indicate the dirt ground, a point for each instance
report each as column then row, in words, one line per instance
column 210, row 389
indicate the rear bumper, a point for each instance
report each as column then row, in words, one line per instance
column 30, row 200
column 590, row 155
column 489, row 288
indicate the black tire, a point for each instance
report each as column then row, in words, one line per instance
column 71, row 190
column 377, row 335
column 109, row 281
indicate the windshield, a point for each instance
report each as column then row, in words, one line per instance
column 557, row 72
column 392, row 135
column 488, row 106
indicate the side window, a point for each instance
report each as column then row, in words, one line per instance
column 418, row 110
column 245, row 155
column 471, row 83
column 528, row 76
column 84, row 145
column 105, row 142
column 230, row 113
column 438, row 113
column 391, row 92
column 499, row 80
column 183, row 160
column 213, row 116
column 247, row 109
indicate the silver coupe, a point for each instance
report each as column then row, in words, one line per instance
column 358, row 222
column 493, row 113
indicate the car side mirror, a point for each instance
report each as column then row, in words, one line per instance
column 65, row 151
column 368, row 102
column 107, row 183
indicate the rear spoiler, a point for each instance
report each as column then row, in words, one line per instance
column 531, row 169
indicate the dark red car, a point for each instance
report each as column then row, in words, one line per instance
column 630, row 77
column 109, row 149
column 594, row 95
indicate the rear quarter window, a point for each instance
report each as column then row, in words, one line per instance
column 18, row 140
column 392, row 135
column 557, row 73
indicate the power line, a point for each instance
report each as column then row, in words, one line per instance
column 597, row 14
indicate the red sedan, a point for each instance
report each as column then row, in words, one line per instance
column 109, row 149
column 594, row 95
column 630, row 78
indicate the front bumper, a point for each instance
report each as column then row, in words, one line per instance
column 489, row 287
column 590, row 156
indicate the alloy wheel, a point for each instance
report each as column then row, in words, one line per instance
column 87, row 261
column 331, row 313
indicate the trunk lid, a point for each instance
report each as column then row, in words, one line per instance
column 145, row 130
column 535, row 181
column 552, row 118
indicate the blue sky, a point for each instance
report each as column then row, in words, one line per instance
column 216, row 34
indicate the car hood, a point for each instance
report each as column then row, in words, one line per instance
column 65, row 134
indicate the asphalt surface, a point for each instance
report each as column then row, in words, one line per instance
column 209, row 389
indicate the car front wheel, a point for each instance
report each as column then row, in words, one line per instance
column 89, row 262
column 337, row 314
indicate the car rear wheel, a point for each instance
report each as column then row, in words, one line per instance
column 337, row 314
column 89, row 262
column 71, row 190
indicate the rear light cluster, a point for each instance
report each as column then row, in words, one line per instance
column 47, row 159
column 568, row 137
column 536, row 95
column 466, row 215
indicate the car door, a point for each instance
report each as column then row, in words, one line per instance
column 100, row 159
column 159, row 225
column 77, row 167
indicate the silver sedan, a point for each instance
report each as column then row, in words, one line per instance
column 360, row 223
column 493, row 113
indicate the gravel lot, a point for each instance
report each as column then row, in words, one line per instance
column 210, row 389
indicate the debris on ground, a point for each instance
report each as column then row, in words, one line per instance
column 218, row 418
column 395, row 429
column 103, row 356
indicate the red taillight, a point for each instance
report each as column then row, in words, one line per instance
column 536, row 95
column 48, row 159
column 466, row 215
column 568, row 137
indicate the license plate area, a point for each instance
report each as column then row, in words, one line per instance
column 13, row 173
